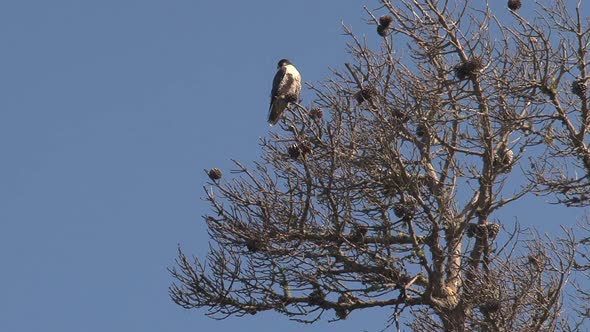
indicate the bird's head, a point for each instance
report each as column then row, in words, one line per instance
column 283, row 62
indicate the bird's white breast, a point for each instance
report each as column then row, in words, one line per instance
column 291, row 82
column 290, row 69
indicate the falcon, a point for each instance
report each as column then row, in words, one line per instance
column 286, row 87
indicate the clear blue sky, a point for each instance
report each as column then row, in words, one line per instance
column 109, row 112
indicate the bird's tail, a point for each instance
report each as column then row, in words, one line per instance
column 276, row 110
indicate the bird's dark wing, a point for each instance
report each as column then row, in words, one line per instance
column 277, row 107
column 276, row 82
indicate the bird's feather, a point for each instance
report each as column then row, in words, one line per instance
column 277, row 107
column 276, row 82
column 285, row 89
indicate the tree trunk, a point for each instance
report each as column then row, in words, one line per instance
column 454, row 320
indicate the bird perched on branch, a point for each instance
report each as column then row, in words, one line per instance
column 286, row 87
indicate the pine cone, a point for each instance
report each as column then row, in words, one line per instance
column 385, row 21
column 420, row 130
column 316, row 297
column 341, row 313
column 399, row 116
column 359, row 233
column 254, row 245
column 468, row 68
column 365, row 93
column 471, row 230
column 503, row 160
column 304, row 147
column 294, row 151
column 316, row 113
column 399, row 209
column 346, row 299
column 514, row 4
column 490, row 306
column 404, row 210
column 493, row 230
column 579, row 88
column 215, row 174
column 382, row 31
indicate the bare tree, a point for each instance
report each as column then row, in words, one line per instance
column 580, row 297
column 383, row 193
column 554, row 53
